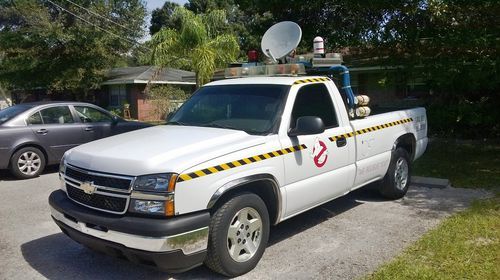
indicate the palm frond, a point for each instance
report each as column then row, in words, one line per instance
column 162, row 43
column 215, row 22
column 204, row 63
column 226, row 49
column 193, row 31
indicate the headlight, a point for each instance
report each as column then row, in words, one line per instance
column 153, row 207
column 154, row 194
column 62, row 166
column 156, row 183
column 156, row 207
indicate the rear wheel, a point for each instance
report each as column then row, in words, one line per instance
column 397, row 180
column 239, row 231
column 27, row 163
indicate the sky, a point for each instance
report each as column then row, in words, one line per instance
column 153, row 4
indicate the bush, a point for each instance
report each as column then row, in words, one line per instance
column 466, row 120
column 162, row 96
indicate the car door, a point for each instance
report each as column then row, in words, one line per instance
column 319, row 172
column 56, row 129
column 97, row 124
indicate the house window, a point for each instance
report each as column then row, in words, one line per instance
column 118, row 95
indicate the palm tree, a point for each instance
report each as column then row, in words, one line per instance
column 202, row 44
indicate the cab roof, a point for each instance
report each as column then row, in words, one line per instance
column 275, row 80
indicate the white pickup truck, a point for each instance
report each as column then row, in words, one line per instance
column 239, row 156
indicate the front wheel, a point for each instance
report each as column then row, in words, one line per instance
column 239, row 231
column 397, row 180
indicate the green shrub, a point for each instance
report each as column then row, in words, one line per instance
column 162, row 96
column 466, row 120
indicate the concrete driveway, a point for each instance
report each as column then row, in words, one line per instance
column 343, row 239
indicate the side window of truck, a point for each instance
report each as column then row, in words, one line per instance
column 314, row 100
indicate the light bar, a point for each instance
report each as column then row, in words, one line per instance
column 266, row 70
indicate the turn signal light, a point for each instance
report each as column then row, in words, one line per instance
column 169, row 208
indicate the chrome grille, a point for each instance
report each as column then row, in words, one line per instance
column 100, row 180
column 111, row 194
column 97, row 200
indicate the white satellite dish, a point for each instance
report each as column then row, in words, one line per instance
column 280, row 39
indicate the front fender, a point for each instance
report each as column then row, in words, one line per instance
column 198, row 188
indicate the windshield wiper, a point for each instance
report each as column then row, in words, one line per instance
column 176, row 123
column 220, row 126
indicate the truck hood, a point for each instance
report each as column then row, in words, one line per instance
column 159, row 149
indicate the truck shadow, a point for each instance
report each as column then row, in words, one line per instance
column 58, row 257
column 316, row 216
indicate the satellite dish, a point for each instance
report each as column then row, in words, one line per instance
column 280, row 39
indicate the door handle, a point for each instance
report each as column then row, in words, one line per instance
column 42, row 131
column 341, row 142
column 89, row 128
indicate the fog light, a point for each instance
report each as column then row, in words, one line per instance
column 148, row 206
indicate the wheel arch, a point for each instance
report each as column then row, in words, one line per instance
column 408, row 142
column 264, row 185
column 30, row 144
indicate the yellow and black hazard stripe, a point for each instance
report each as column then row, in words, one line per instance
column 240, row 162
column 311, row 80
column 370, row 129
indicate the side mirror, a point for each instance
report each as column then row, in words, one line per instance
column 115, row 119
column 307, row 125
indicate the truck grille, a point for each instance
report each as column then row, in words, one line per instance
column 111, row 192
column 110, row 182
column 99, row 201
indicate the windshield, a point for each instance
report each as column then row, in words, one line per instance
column 10, row 112
column 254, row 109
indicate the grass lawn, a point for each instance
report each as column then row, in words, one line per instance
column 466, row 164
column 466, row 245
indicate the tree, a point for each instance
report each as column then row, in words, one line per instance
column 199, row 45
column 163, row 18
column 454, row 43
column 44, row 46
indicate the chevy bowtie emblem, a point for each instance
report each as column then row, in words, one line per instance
column 88, row 187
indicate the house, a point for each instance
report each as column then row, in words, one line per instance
column 121, row 86
column 389, row 86
column 127, row 86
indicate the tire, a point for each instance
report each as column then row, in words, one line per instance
column 27, row 163
column 230, row 230
column 397, row 180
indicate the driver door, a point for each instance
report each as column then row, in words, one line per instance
column 315, row 174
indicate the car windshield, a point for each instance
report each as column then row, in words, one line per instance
column 251, row 108
column 10, row 112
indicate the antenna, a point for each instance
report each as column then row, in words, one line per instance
column 280, row 39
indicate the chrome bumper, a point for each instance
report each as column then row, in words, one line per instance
column 189, row 242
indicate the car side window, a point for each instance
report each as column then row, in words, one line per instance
column 89, row 114
column 36, row 118
column 57, row 115
column 314, row 100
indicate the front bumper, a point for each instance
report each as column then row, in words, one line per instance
column 175, row 244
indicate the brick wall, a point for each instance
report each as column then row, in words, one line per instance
column 141, row 108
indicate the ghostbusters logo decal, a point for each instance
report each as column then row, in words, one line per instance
column 319, row 153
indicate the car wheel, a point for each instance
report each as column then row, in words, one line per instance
column 397, row 180
column 239, row 231
column 27, row 163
